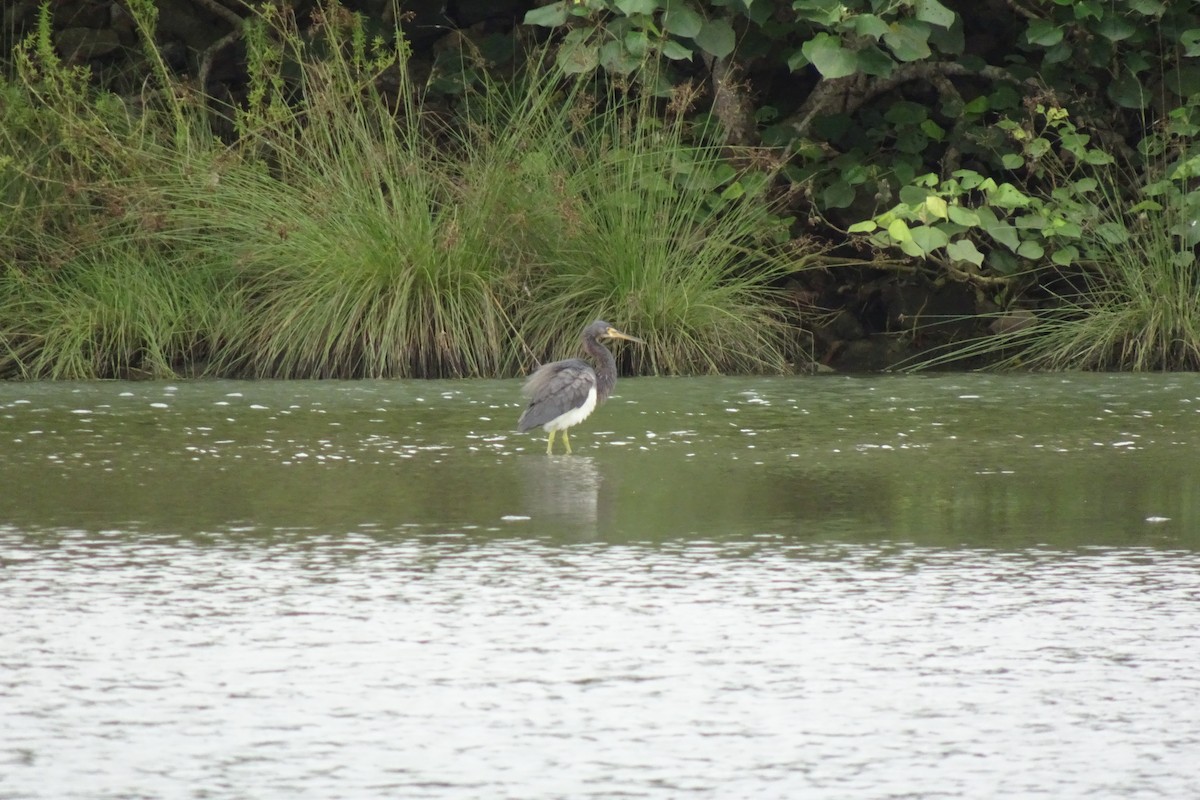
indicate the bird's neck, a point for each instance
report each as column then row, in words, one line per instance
column 606, row 370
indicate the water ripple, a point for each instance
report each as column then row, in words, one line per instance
column 435, row 665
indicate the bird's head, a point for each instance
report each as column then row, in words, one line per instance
column 602, row 330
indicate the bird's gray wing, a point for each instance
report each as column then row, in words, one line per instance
column 554, row 389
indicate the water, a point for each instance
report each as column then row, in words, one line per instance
column 951, row 586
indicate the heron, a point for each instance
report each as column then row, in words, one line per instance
column 563, row 394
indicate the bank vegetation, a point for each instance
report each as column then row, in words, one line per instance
column 315, row 191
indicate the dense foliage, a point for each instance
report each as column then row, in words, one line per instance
column 1005, row 180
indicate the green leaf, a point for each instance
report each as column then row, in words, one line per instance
column 797, row 60
column 908, row 40
column 929, row 239
column 1113, row 232
column 1190, row 39
column 1043, row 32
column 936, row 206
column 1183, row 80
column 1005, row 234
column 934, row 13
column 932, row 130
column 949, row 40
column 1065, row 256
column 829, row 57
column 963, row 216
column 905, row 112
column 1127, row 92
column 1031, row 250
column 1115, row 28
column 1150, row 8
column 1002, row 262
column 869, row 25
column 716, row 38
column 637, row 43
column 550, row 16
column 1008, row 196
column 838, row 195
column 676, row 51
column 733, row 191
column 1058, row 53
column 873, row 61
column 822, row 12
column 616, row 58
column 964, row 250
column 866, row 226
column 1186, row 169
column 913, row 195
column 978, row 105
column 1012, row 160
column 899, row 231
column 681, row 20
column 631, row 7
column 578, row 58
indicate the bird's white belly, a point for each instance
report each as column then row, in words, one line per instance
column 575, row 415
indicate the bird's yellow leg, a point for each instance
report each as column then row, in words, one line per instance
column 550, row 444
column 567, row 441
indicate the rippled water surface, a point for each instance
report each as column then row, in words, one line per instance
column 935, row 587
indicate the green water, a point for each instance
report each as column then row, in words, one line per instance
column 997, row 461
column 811, row 588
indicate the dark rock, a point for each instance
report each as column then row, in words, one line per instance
column 84, row 44
column 873, row 354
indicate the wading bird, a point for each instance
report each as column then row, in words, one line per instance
column 563, row 393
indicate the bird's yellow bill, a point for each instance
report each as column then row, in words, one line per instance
column 613, row 333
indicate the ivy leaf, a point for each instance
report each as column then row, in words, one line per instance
column 869, row 25
column 616, row 58
column 822, row 12
column 905, row 112
column 829, row 57
column 1031, row 250
column 1190, row 39
column 631, row 7
column 550, row 16
column 1115, row 28
column 899, row 231
column 1008, row 196
column 965, row 250
column 676, row 51
column 716, row 38
column 913, row 195
column 1066, row 256
column 937, row 206
column 866, row 226
column 929, row 239
column 797, row 60
column 637, row 43
column 682, row 20
column 1043, row 33
column 1127, row 92
column 1113, row 233
column 908, row 40
column 963, row 216
column 934, row 13
column 838, row 195
column 1005, row 234
column 1151, row 8
column 873, row 61
column 578, row 58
